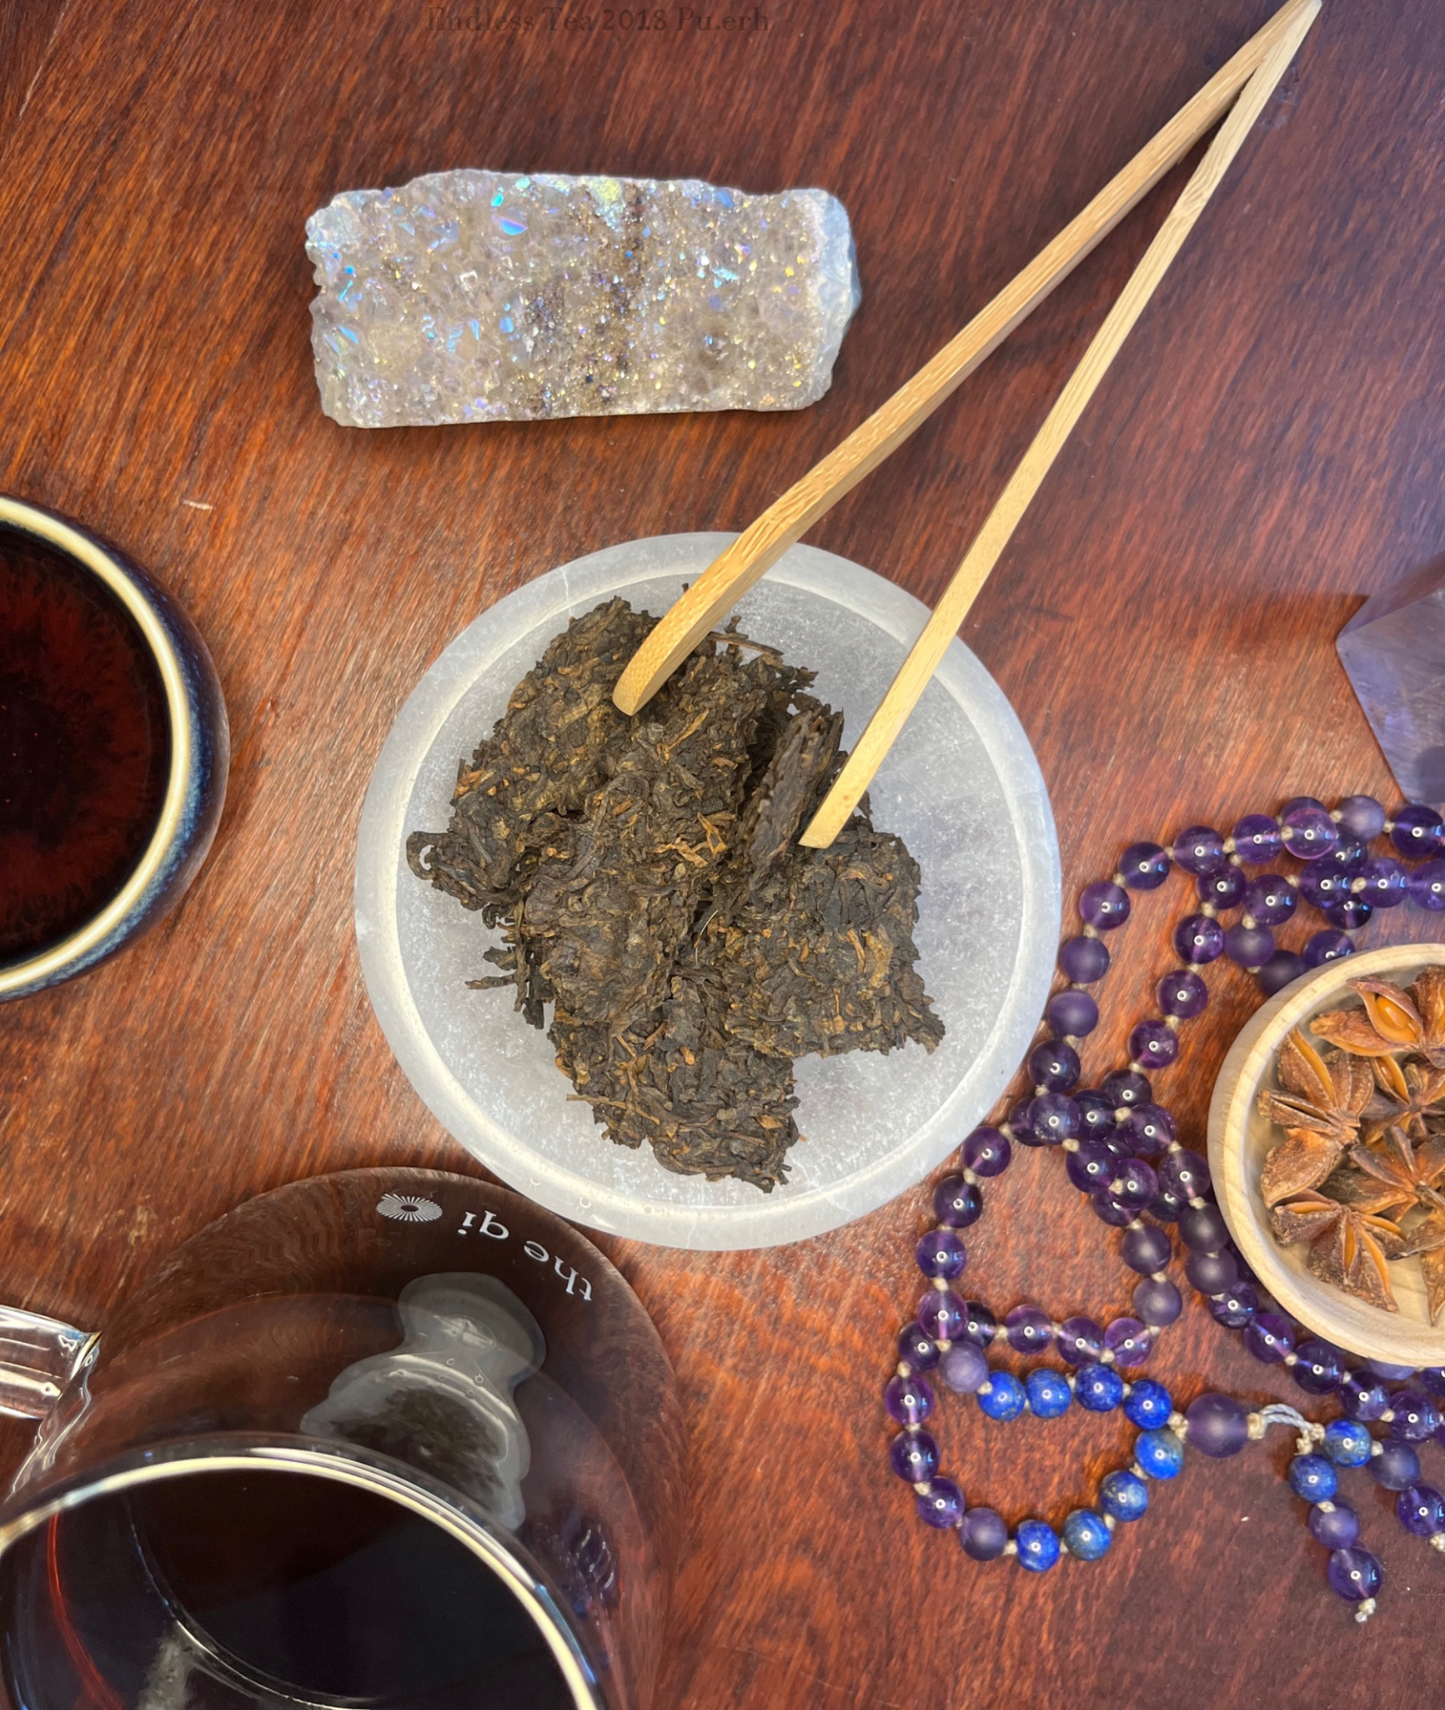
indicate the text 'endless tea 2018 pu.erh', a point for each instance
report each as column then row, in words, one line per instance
column 645, row 878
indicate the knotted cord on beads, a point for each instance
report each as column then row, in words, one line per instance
column 1122, row 1151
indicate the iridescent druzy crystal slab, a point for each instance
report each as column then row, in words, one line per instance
column 490, row 296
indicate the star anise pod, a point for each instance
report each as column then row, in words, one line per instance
column 1392, row 1019
column 1347, row 1247
column 1428, row 1241
column 1319, row 1106
column 1407, row 1095
column 1399, row 1176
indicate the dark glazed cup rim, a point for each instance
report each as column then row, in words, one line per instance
column 199, row 752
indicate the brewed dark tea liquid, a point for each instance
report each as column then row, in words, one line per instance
column 261, row 1589
column 84, row 745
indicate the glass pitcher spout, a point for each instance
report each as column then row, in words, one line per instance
column 38, row 1358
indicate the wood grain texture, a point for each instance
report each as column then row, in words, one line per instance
column 705, row 605
column 1265, row 452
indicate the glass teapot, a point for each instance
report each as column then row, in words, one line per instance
column 389, row 1438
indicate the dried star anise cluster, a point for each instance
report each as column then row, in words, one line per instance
column 1360, row 1173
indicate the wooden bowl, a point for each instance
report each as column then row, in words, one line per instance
column 1240, row 1138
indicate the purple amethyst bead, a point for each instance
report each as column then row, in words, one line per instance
column 1418, row 831
column 917, row 1348
column 1269, row 1336
column 1224, row 887
column 1072, row 1014
column 964, row 1368
column 1309, row 833
column 1129, row 1340
column 1336, row 1527
column 1053, row 1118
column 1104, row 905
column 1117, row 1216
column 1432, row 1381
column 1166, row 1206
column 908, row 1400
column 1330, row 944
column 1081, row 1341
column 1427, row 886
column 1199, row 850
column 1362, row 816
column 1053, row 1065
column 1182, row 994
column 1250, row 946
column 1321, row 885
column 1185, row 1173
column 1155, row 1044
column 941, row 1505
column 1157, row 1302
column 983, row 1534
column 1144, row 866
column 1212, row 1273
column 1029, row 1329
column 1301, row 802
column 1318, row 1368
column 1355, row 1574
column 1363, row 1401
column 1217, row 1425
column 1281, row 970
column 1084, row 960
column 914, row 1456
column 1349, row 913
column 1417, row 1418
column 941, row 1314
column 1198, row 939
column 1396, row 1466
column 1091, row 1167
column 1148, row 1130
column 1096, row 1114
column 956, row 1204
column 1257, row 839
column 1133, row 1185
column 1235, row 1306
column 1146, row 1249
column 1125, row 1088
column 981, row 1326
column 1269, row 900
column 1202, row 1229
column 1421, row 1510
column 987, row 1152
column 1391, row 1373
column 941, row 1254
column 1347, row 856
column 1382, row 882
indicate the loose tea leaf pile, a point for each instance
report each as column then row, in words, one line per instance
column 645, row 878
column 1360, row 1173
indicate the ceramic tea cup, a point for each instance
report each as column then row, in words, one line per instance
column 113, row 749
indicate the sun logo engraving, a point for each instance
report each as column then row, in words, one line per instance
column 408, row 1208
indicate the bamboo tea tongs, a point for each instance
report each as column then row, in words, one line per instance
column 1252, row 76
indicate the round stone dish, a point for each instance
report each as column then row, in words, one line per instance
column 961, row 787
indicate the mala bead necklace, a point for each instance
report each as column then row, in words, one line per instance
column 1121, row 1151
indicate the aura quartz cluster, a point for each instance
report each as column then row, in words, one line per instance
column 491, row 296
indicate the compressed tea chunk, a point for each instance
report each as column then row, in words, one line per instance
column 644, row 875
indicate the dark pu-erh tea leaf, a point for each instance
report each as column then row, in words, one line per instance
column 647, row 886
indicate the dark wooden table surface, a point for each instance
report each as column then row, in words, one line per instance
column 1266, row 451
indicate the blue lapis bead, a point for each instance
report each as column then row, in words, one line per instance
column 1148, row 1404
column 1038, row 1545
column 1347, row 1443
column 1086, row 1535
column 1124, row 1495
column 1002, row 1397
column 1049, row 1394
column 1160, row 1454
column 1100, row 1389
column 1313, row 1477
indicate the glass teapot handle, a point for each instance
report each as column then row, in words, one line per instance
column 38, row 1358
